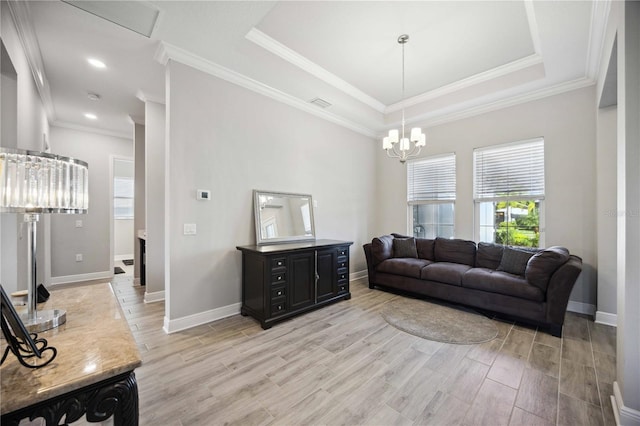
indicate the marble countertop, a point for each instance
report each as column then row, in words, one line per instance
column 93, row 345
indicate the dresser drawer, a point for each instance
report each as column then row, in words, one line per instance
column 343, row 287
column 343, row 251
column 278, row 263
column 279, row 278
column 343, row 263
column 278, row 292
column 343, row 274
column 278, row 308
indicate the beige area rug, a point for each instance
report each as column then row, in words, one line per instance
column 442, row 323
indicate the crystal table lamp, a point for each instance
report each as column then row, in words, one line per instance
column 34, row 183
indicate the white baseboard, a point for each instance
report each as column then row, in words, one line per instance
column 123, row 257
column 624, row 415
column 358, row 274
column 179, row 324
column 581, row 308
column 606, row 318
column 81, row 277
column 156, row 296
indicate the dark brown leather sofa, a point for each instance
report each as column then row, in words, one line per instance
column 528, row 285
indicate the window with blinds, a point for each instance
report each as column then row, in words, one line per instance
column 508, row 187
column 512, row 170
column 123, row 197
column 432, row 179
column 431, row 193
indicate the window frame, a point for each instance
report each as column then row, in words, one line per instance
column 434, row 200
column 509, row 198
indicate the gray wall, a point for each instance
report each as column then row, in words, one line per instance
column 606, row 214
column 29, row 122
column 567, row 123
column 139, row 219
column 155, row 199
column 628, row 336
column 92, row 240
column 230, row 140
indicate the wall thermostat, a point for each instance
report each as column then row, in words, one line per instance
column 203, row 194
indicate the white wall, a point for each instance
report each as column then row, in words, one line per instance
column 123, row 244
column 155, row 147
column 567, row 123
column 230, row 140
column 92, row 240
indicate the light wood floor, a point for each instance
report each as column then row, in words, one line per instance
column 343, row 364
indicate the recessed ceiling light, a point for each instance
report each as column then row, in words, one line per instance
column 96, row 63
column 90, row 116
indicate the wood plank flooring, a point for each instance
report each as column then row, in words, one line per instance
column 343, row 364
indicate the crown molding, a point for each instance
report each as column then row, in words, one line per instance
column 263, row 40
column 166, row 52
column 134, row 119
column 465, row 110
column 533, row 26
column 78, row 127
column 21, row 16
column 599, row 16
column 491, row 74
column 145, row 97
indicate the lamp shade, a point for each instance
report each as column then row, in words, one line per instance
column 39, row 182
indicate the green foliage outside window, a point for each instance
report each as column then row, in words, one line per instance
column 517, row 229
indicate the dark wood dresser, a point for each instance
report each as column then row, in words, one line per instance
column 283, row 280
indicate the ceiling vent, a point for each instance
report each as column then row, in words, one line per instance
column 320, row 102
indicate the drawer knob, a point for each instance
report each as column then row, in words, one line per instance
column 279, row 293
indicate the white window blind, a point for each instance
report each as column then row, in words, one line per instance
column 432, row 179
column 508, row 171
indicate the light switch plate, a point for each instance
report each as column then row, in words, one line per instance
column 189, row 229
column 79, row 223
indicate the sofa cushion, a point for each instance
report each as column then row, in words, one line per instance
column 381, row 248
column 404, row 247
column 514, row 261
column 501, row 282
column 425, row 248
column 405, row 266
column 455, row 251
column 543, row 264
column 489, row 255
column 445, row 272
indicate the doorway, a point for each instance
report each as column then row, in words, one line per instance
column 122, row 215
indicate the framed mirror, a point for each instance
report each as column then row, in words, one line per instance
column 282, row 217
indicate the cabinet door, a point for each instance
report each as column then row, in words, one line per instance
column 327, row 283
column 301, row 280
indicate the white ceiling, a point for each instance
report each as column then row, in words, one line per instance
column 462, row 57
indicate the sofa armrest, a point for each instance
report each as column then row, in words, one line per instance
column 370, row 267
column 559, row 289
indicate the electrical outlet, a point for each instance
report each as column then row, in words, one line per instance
column 78, row 258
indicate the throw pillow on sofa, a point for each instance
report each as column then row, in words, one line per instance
column 489, row 255
column 404, row 247
column 514, row 261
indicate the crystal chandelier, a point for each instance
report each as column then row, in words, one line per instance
column 397, row 144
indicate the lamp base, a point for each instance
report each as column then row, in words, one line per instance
column 44, row 320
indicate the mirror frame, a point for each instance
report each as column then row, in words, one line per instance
column 281, row 240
